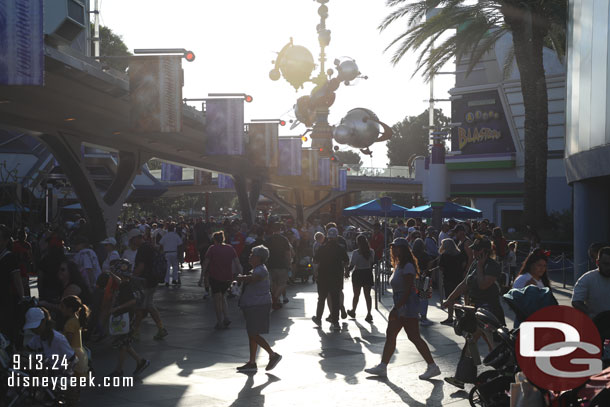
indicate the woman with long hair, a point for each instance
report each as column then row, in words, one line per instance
column 452, row 265
column 533, row 271
column 362, row 278
column 424, row 261
column 72, row 283
column 404, row 313
column 77, row 315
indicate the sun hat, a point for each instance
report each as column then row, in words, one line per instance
column 109, row 240
column 400, row 241
column 33, row 318
column 135, row 232
column 332, row 233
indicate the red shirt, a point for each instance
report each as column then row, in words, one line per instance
column 239, row 242
column 221, row 259
column 377, row 244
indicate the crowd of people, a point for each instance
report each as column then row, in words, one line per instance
column 89, row 290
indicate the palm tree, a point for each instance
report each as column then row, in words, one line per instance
column 533, row 25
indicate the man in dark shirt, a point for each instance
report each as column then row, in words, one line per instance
column 144, row 269
column 331, row 258
column 202, row 238
column 280, row 258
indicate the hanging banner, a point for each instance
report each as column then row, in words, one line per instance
column 171, row 172
column 225, row 181
column 342, row 180
column 324, row 171
column 309, row 164
column 289, row 160
column 21, row 42
column 224, row 128
column 155, row 94
column 334, row 175
column 201, row 177
column 483, row 127
column 262, row 147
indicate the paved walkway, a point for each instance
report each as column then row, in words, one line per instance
column 195, row 364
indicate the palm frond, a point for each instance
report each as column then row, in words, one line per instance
column 508, row 63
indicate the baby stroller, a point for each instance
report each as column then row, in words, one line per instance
column 304, row 268
column 525, row 301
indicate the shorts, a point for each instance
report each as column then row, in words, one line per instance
column 411, row 308
column 362, row 278
column 279, row 277
column 149, row 293
column 257, row 319
column 219, row 287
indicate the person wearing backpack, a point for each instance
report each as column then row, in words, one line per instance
column 129, row 297
column 144, row 268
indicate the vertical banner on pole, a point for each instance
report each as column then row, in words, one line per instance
column 309, row 164
column 171, row 172
column 334, row 175
column 263, row 144
column 289, row 161
column 225, row 181
column 155, row 94
column 324, row 171
column 342, row 180
column 21, row 42
column 201, row 177
column 224, row 128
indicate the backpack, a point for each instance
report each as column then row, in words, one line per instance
column 159, row 267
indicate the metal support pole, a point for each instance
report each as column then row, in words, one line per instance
column 96, row 29
column 563, row 268
column 207, row 207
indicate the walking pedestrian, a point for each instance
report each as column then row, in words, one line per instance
column 279, row 263
column 362, row 277
column 404, row 313
column 331, row 258
column 452, row 265
column 170, row 244
column 255, row 303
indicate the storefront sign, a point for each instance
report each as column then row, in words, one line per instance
column 484, row 128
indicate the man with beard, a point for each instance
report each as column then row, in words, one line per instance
column 591, row 290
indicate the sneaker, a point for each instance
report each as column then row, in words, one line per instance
column 141, row 366
column 162, row 333
column 343, row 313
column 226, row 323
column 273, row 361
column 431, row 371
column 379, row 370
column 328, row 319
column 448, row 322
column 286, row 300
column 248, row 367
column 457, row 383
column 426, row 322
column 335, row 327
column 369, row 318
column 316, row 320
column 351, row 313
column 175, row 282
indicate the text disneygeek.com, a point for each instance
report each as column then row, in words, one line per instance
column 16, row 380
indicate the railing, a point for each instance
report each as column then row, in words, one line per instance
column 388, row 172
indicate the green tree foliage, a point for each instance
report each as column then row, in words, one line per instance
column 112, row 44
column 411, row 137
column 349, row 157
column 532, row 23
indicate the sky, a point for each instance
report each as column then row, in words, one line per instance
column 235, row 42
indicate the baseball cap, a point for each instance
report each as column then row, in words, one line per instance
column 332, row 233
column 481, row 244
column 109, row 240
column 411, row 229
column 33, row 318
column 400, row 241
column 135, row 232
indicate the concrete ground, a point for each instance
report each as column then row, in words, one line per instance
column 195, row 364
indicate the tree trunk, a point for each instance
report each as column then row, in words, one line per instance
column 528, row 45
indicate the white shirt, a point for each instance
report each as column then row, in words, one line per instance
column 592, row 288
column 112, row 256
column 170, row 242
column 87, row 259
column 522, row 280
column 130, row 255
column 59, row 346
column 360, row 262
column 442, row 236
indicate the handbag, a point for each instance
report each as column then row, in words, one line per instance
column 119, row 325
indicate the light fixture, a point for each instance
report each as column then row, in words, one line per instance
column 69, row 119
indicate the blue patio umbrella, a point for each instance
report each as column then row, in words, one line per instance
column 450, row 210
column 373, row 208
